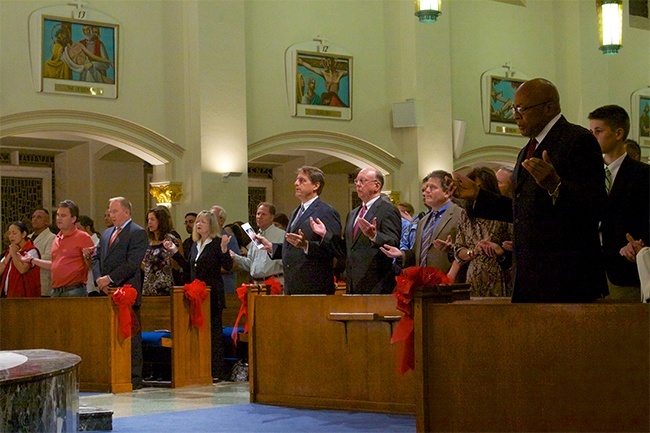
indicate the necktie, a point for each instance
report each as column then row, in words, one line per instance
column 426, row 236
column 530, row 149
column 361, row 214
column 294, row 223
column 115, row 233
column 608, row 179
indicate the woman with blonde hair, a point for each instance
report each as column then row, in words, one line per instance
column 209, row 253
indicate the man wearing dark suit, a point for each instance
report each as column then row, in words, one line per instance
column 307, row 262
column 628, row 203
column 369, row 226
column 559, row 198
column 438, row 226
column 117, row 261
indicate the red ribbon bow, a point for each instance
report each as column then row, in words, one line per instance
column 411, row 279
column 196, row 292
column 124, row 298
column 275, row 288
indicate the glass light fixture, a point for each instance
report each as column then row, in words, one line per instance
column 427, row 11
column 610, row 25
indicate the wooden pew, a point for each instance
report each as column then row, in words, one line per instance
column 489, row 365
column 191, row 347
column 87, row 327
column 156, row 315
column 327, row 352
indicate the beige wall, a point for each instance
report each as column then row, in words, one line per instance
column 210, row 77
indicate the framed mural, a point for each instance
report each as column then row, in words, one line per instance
column 323, row 85
column 497, row 93
column 640, row 117
column 79, row 57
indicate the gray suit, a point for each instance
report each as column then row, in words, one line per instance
column 447, row 226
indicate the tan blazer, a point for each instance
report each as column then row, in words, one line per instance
column 447, row 226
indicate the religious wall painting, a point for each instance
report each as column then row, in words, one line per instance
column 498, row 88
column 640, row 117
column 502, row 96
column 79, row 57
column 644, row 117
column 323, row 85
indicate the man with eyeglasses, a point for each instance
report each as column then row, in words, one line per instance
column 368, row 227
column 559, row 198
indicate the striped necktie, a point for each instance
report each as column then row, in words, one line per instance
column 294, row 223
column 608, row 180
column 426, row 236
column 115, row 233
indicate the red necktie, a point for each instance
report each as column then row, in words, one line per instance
column 530, row 149
column 361, row 214
column 115, row 233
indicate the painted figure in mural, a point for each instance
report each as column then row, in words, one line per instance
column 69, row 56
column 644, row 121
column 93, row 43
column 55, row 67
column 332, row 77
column 310, row 96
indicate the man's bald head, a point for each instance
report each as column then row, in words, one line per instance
column 536, row 102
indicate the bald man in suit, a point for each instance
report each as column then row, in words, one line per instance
column 559, row 199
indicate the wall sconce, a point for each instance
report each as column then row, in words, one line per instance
column 610, row 25
column 226, row 176
column 166, row 193
column 427, row 11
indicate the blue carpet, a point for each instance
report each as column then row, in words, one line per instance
column 251, row 418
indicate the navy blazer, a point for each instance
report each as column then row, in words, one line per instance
column 121, row 260
column 557, row 255
column 310, row 273
column 628, row 211
column 367, row 269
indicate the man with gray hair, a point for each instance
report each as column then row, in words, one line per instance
column 117, row 262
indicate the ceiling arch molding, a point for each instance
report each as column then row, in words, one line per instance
column 131, row 137
column 359, row 152
column 501, row 155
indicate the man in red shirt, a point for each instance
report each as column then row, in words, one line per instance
column 69, row 265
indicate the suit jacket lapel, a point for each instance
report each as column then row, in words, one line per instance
column 120, row 236
column 444, row 219
column 349, row 226
column 309, row 211
column 621, row 178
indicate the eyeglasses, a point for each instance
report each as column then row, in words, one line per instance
column 364, row 181
column 521, row 110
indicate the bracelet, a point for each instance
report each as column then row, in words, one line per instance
column 31, row 261
column 555, row 193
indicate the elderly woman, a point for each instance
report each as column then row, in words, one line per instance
column 20, row 279
column 209, row 253
column 157, row 261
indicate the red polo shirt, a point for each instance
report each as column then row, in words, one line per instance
column 68, row 265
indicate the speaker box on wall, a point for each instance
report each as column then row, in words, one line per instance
column 405, row 114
